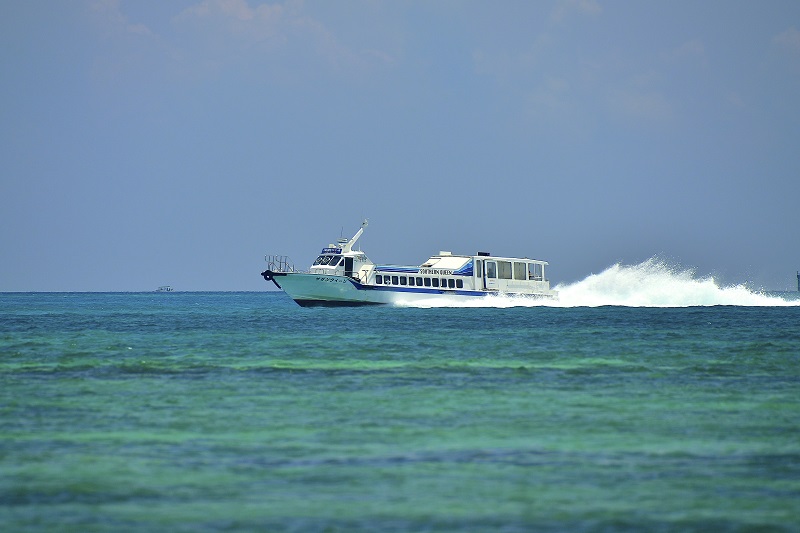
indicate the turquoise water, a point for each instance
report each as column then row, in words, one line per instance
column 244, row 412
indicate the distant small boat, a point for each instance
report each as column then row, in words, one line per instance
column 164, row 288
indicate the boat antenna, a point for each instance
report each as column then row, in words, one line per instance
column 365, row 223
column 348, row 246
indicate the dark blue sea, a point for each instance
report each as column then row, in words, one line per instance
column 245, row 412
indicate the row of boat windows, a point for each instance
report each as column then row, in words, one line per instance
column 505, row 270
column 445, row 283
column 494, row 269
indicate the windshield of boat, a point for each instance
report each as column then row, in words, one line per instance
column 324, row 260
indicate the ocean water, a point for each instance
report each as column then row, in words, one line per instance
column 646, row 399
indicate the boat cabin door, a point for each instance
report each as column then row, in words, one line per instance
column 490, row 276
column 348, row 267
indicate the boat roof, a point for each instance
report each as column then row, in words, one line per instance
column 449, row 261
column 446, row 261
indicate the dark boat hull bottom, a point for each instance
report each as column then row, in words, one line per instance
column 333, row 303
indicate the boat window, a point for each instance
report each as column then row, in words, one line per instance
column 319, row 260
column 504, row 269
column 336, row 260
column 459, row 284
column 402, row 280
column 435, row 282
column 378, row 280
column 519, row 271
column 419, row 282
column 395, row 280
column 536, row 272
column 411, row 281
column 451, row 283
column 479, row 268
column 427, row 282
column 491, row 269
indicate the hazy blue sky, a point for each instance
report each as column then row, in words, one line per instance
column 151, row 142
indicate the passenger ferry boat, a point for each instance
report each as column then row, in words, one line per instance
column 342, row 276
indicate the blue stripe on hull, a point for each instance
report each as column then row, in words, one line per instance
column 399, row 269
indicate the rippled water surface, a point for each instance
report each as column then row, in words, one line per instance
column 242, row 411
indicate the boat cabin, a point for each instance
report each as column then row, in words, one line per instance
column 333, row 261
column 480, row 272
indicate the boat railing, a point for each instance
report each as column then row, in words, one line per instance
column 280, row 263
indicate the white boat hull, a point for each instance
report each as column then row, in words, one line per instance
column 310, row 290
